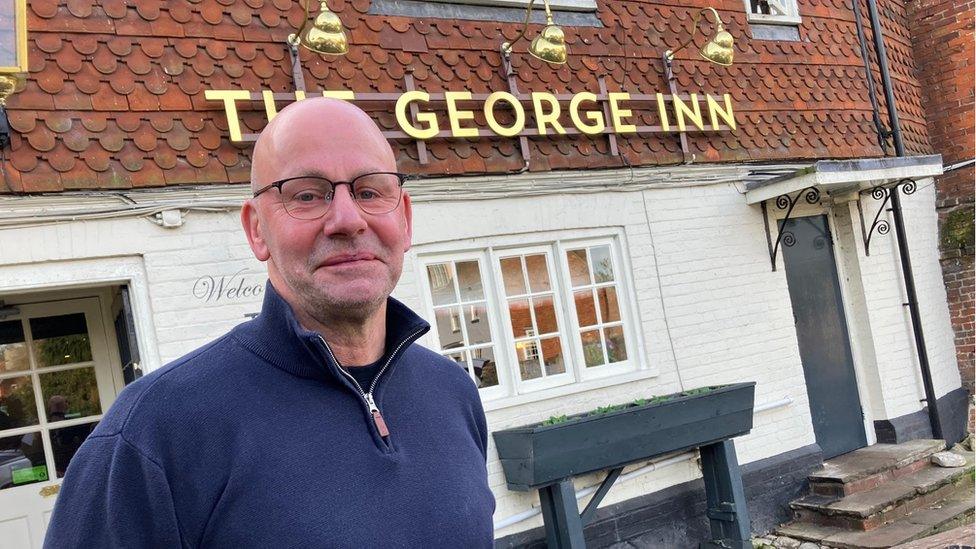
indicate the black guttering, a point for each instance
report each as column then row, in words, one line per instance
column 899, row 222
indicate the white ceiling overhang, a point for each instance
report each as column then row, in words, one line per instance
column 844, row 177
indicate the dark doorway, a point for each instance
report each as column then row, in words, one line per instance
column 821, row 330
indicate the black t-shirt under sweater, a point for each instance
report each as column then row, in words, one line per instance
column 365, row 374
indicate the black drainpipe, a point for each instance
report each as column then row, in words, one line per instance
column 906, row 261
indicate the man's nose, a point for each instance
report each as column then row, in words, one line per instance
column 344, row 215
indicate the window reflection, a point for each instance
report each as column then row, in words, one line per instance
column 441, row 280
column 513, row 277
column 13, row 349
column 602, row 264
column 70, row 394
column 17, row 405
column 22, row 460
column 469, row 281
column 8, row 33
column 484, row 367
column 65, row 442
column 60, row 340
column 597, row 306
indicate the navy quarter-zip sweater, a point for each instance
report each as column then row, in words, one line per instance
column 260, row 440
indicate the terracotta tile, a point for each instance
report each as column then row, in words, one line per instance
column 41, row 179
column 24, row 159
column 44, row 9
column 116, row 9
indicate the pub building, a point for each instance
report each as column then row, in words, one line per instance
column 618, row 201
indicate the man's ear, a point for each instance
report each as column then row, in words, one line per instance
column 252, row 228
column 408, row 217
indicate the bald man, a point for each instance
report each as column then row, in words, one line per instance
column 320, row 423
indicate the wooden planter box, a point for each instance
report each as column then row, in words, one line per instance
column 538, row 455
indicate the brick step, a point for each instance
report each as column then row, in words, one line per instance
column 873, row 508
column 950, row 512
column 871, row 467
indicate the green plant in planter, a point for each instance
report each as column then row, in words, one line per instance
column 554, row 420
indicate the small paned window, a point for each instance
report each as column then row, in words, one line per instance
column 773, row 11
column 524, row 319
column 595, row 292
column 530, row 301
column 461, row 318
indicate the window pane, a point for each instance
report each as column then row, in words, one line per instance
column 70, row 394
column 448, row 320
column 441, row 284
column 22, row 460
column 476, row 323
column 616, row 348
column 17, row 406
column 602, row 264
column 461, row 358
column 65, row 442
column 585, row 308
column 538, row 273
column 512, row 276
column 8, row 33
column 592, row 348
column 485, row 369
column 469, row 279
column 609, row 309
column 13, row 350
column 579, row 272
column 545, row 315
column 552, row 356
column 60, row 339
column 518, row 309
column 527, row 353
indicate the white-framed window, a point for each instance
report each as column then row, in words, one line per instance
column 776, row 12
column 457, row 298
column 550, row 313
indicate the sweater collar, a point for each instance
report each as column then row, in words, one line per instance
column 276, row 336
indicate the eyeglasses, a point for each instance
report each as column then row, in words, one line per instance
column 309, row 197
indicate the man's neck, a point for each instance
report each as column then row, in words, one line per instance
column 353, row 342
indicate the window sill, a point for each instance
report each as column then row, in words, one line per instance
column 565, row 390
column 786, row 32
column 459, row 9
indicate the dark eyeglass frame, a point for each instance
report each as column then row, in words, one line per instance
column 401, row 178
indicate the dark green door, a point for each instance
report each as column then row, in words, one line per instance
column 821, row 331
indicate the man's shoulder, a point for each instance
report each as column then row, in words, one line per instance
column 438, row 369
column 194, row 378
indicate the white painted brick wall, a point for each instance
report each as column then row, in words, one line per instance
column 728, row 315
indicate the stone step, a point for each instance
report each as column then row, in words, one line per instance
column 871, row 467
column 872, row 508
column 954, row 510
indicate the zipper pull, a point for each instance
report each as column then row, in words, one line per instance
column 377, row 416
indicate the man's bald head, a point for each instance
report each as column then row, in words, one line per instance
column 319, row 126
column 341, row 266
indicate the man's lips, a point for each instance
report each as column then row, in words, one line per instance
column 344, row 259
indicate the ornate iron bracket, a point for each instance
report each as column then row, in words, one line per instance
column 881, row 226
column 784, row 202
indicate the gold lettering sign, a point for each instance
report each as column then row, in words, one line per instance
column 416, row 112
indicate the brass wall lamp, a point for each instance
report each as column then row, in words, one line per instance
column 326, row 34
column 718, row 49
column 549, row 46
